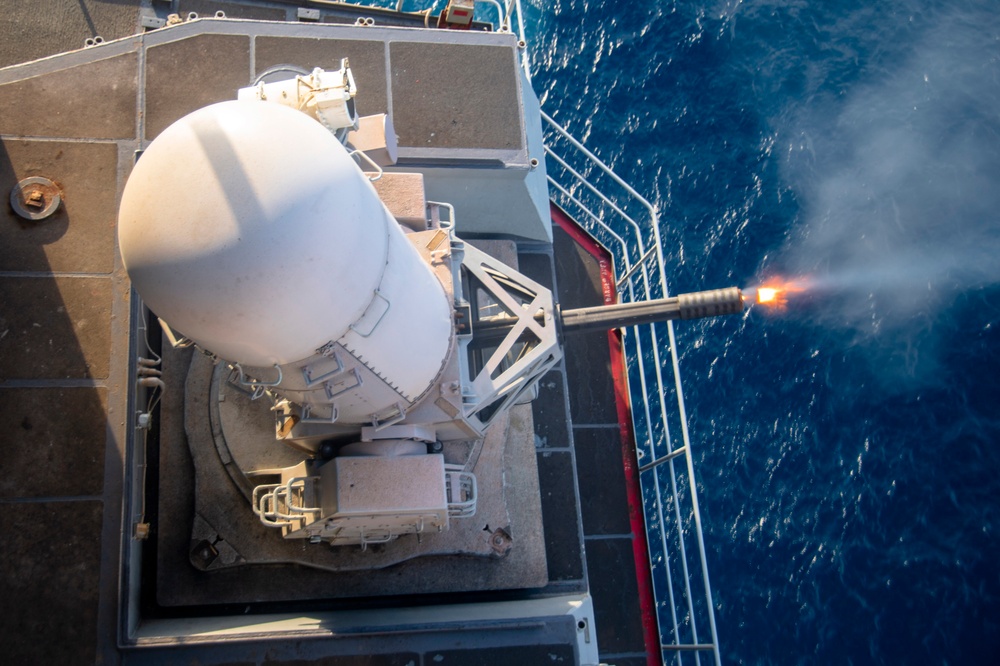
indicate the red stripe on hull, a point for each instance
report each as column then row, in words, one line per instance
column 640, row 548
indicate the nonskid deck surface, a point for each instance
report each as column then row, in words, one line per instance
column 64, row 352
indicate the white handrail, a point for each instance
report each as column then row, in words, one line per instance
column 628, row 233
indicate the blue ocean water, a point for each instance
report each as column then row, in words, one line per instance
column 847, row 447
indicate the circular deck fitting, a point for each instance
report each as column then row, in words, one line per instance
column 35, row 198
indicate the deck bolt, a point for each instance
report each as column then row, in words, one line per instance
column 35, row 199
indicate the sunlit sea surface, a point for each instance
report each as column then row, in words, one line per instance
column 847, row 448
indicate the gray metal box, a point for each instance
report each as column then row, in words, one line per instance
column 373, row 485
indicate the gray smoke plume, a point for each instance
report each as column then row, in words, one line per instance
column 899, row 186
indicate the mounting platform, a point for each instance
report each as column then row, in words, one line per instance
column 465, row 556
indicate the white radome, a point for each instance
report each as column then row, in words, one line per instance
column 249, row 229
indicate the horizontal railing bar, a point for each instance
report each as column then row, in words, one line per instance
column 662, row 459
column 596, row 219
column 691, row 647
column 602, row 166
column 649, row 253
column 583, row 179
